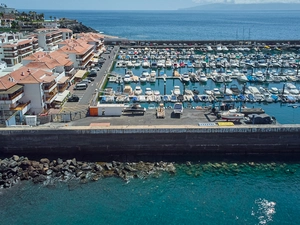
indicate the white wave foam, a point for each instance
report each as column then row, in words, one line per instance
column 265, row 211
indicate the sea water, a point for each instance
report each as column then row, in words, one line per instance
column 204, row 193
column 189, row 25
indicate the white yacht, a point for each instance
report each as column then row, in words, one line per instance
column 202, row 77
column 292, row 89
column 148, row 91
column 145, row 64
column 185, row 77
column 127, row 78
column 176, row 90
column 144, row 77
column 168, row 63
column 152, row 78
column 138, row 90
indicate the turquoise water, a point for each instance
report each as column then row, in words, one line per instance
column 201, row 194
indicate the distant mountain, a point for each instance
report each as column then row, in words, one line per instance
column 259, row 6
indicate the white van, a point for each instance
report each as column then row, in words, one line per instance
column 80, row 86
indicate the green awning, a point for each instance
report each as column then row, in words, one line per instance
column 11, row 90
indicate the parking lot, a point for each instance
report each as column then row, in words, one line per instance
column 87, row 95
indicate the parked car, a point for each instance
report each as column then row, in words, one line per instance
column 85, row 81
column 92, row 74
column 73, row 98
column 80, row 86
column 97, row 68
column 90, row 78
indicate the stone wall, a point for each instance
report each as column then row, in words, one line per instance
column 132, row 141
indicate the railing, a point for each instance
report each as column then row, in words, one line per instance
column 21, row 106
column 10, row 49
column 12, row 96
column 62, row 87
column 47, row 88
column 63, row 117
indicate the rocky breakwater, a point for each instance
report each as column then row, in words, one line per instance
column 16, row 169
column 75, row 26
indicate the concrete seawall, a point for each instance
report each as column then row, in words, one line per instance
column 130, row 142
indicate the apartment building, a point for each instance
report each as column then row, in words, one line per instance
column 48, row 39
column 32, row 89
column 79, row 51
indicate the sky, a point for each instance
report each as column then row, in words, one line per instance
column 120, row 4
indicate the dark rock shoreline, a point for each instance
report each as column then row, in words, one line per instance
column 75, row 26
column 18, row 168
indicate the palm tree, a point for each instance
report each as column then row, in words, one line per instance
column 50, row 18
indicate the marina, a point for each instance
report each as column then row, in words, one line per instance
column 207, row 76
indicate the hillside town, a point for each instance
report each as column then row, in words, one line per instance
column 37, row 68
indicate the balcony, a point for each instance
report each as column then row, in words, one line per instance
column 12, row 95
column 86, row 62
column 10, row 55
column 24, row 107
column 62, row 87
column 10, row 50
column 24, row 47
column 50, row 87
column 51, row 97
column 26, row 52
column 87, row 54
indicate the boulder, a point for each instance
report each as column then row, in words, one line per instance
column 25, row 163
column 59, row 161
column 129, row 168
column 45, row 161
column 39, row 179
column 15, row 158
column 36, row 164
column 13, row 164
column 74, row 162
column 98, row 167
column 108, row 166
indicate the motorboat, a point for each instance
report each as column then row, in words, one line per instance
column 185, row 77
column 144, row 77
column 148, row 91
column 145, row 64
column 176, row 90
column 292, row 89
column 178, row 108
column 127, row 89
column 168, row 63
column 152, row 78
column 138, row 90
column 216, row 92
column 242, row 77
column 232, row 114
column 274, row 90
column 134, row 108
column 127, row 78
column 141, row 98
column 202, row 77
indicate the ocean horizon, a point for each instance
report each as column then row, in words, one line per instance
column 188, row 25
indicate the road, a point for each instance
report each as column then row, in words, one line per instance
column 86, row 96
